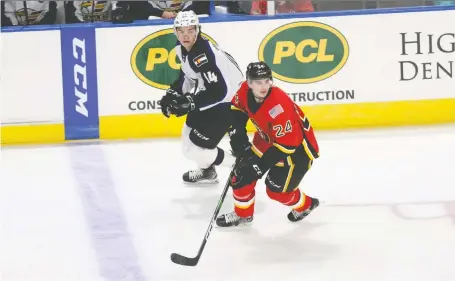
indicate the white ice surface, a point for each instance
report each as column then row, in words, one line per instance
column 117, row 210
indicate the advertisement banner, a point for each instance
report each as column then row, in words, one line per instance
column 320, row 61
column 31, row 78
column 80, row 89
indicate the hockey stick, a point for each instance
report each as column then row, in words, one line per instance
column 182, row 260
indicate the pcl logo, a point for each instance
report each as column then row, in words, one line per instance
column 304, row 52
column 154, row 59
column 80, row 76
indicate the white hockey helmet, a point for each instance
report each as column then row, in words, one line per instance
column 187, row 18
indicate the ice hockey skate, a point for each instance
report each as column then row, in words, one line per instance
column 232, row 219
column 201, row 176
column 295, row 216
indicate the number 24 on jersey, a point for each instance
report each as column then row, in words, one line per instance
column 280, row 131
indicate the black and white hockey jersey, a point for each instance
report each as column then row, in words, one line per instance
column 141, row 10
column 210, row 72
column 88, row 11
column 28, row 12
column 171, row 6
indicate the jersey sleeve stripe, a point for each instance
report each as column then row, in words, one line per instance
column 233, row 107
column 309, row 151
column 284, row 149
column 259, row 154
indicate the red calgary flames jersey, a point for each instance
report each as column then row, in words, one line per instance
column 279, row 122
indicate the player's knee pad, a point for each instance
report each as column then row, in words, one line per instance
column 279, row 183
column 202, row 139
column 282, row 197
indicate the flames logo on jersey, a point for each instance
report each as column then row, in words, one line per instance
column 260, row 131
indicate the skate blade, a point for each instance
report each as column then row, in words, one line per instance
column 317, row 207
column 203, row 182
column 239, row 226
column 321, row 202
column 309, row 213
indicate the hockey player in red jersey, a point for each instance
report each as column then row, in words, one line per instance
column 284, row 146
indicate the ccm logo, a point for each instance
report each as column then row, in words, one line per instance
column 80, row 76
column 200, row 135
column 256, row 168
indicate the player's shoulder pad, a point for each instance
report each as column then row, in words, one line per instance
column 280, row 96
column 201, row 55
column 243, row 87
column 241, row 94
column 277, row 91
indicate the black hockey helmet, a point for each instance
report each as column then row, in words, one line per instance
column 258, row 70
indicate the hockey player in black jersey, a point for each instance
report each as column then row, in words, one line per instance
column 209, row 78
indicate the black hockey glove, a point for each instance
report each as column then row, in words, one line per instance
column 166, row 101
column 240, row 144
column 182, row 105
column 246, row 172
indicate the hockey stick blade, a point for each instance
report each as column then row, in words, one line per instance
column 179, row 259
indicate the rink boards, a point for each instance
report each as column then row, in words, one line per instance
column 346, row 70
